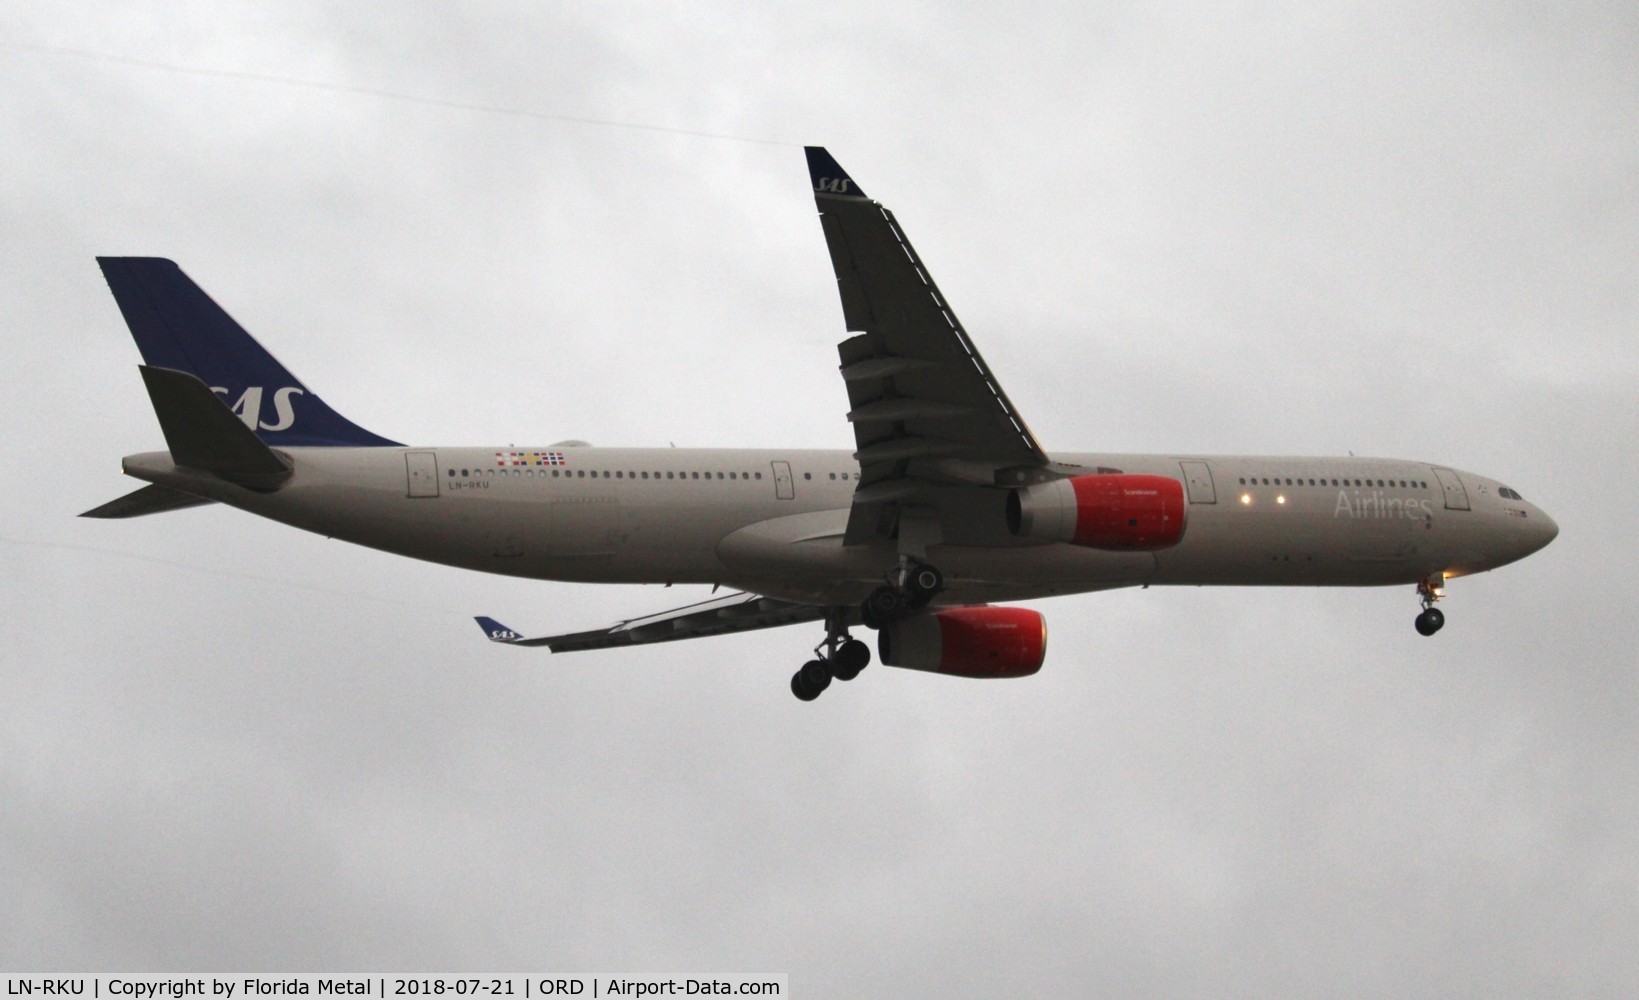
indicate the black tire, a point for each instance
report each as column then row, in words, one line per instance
column 816, row 675
column 801, row 690
column 851, row 657
column 883, row 606
column 1430, row 621
column 925, row 582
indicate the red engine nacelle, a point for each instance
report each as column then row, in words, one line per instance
column 1117, row 511
column 967, row 642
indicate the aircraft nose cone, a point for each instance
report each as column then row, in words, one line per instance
column 1545, row 527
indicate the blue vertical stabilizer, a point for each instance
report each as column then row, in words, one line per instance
column 177, row 326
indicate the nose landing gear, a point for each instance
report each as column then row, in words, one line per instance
column 840, row 656
column 1431, row 589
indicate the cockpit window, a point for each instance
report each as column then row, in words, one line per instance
column 1508, row 494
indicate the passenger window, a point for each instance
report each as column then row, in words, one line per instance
column 465, row 473
column 808, row 475
column 759, row 475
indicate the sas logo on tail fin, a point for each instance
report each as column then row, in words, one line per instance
column 248, row 408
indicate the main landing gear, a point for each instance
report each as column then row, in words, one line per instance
column 840, row 656
column 918, row 583
column 1431, row 589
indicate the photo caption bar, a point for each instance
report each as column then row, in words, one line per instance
column 392, row 986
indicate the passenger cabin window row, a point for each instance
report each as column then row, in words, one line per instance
column 470, row 473
column 1405, row 484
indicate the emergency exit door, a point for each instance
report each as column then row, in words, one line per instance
column 422, row 469
column 785, row 488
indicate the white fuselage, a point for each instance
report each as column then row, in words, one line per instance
column 772, row 521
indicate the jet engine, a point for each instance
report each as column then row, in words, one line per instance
column 1120, row 511
column 967, row 642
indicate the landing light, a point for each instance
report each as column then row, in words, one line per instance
column 1280, row 499
column 1246, row 498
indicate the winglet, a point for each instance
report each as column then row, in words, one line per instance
column 827, row 175
column 495, row 631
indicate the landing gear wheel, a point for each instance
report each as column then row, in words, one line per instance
column 809, row 682
column 850, row 658
column 1430, row 621
column 925, row 581
column 883, row 606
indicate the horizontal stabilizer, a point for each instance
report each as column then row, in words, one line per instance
column 151, row 499
column 203, row 433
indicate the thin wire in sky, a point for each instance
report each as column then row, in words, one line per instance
column 386, row 95
column 232, row 574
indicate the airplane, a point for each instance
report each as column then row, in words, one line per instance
column 946, row 507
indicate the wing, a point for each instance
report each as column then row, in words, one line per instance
column 733, row 613
column 926, row 409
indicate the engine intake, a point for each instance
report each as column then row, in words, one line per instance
column 1122, row 512
column 967, row 642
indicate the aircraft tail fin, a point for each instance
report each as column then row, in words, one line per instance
column 151, row 499
column 203, row 433
column 178, row 327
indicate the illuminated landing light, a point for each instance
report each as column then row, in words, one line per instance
column 1246, row 498
column 1280, row 499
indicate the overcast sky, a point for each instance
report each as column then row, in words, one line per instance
column 226, row 745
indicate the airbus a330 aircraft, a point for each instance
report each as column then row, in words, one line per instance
column 946, row 505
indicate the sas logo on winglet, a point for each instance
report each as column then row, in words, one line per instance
column 249, row 407
column 833, row 185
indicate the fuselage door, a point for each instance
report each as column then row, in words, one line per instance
column 422, row 468
column 1198, row 480
column 785, row 488
column 1456, row 495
